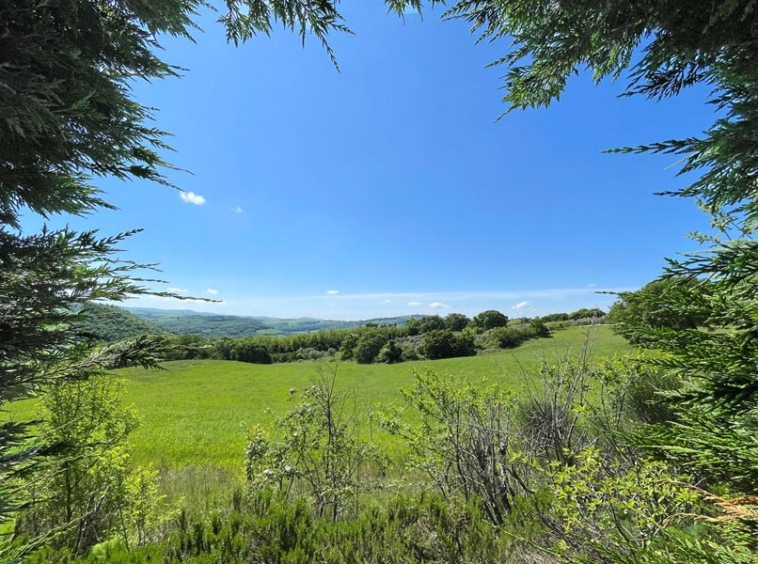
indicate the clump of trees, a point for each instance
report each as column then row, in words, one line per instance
column 429, row 337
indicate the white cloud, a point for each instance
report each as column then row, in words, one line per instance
column 387, row 301
column 211, row 291
column 192, row 198
column 438, row 305
column 178, row 290
column 237, row 209
column 593, row 285
column 414, row 304
column 332, row 292
column 522, row 305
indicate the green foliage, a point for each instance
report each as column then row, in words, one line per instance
column 512, row 337
column 509, row 337
column 390, row 353
column 318, row 446
column 243, row 350
column 456, row 322
column 605, row 510
column 348, row 345
column 368, row 346
column 423, row 325
column 266, row 528
column 443, row 343
column 489, row 319
column 111, row 323
column 586, row 313
column 46, row 281
column 461, row 444
column 87, row 491
column 541, row 330
column 654, row 307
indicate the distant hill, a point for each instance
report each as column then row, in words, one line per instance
column 111, row 323
column 206, row 324
column 309, row 324
column 213, row 325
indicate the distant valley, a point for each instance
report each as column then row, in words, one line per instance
column 112, row 323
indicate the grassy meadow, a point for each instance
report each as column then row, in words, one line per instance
column 195, row 414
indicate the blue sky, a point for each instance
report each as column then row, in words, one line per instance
column 389, row 188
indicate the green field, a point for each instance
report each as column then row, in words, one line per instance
column 196, row 414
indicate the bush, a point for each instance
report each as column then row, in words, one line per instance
column 510, row 337
column 368, row 346
column 443, row 343
column 390, row 353
column 348, row 345
column 540, row 329
column 489, row 319
column 456, row 322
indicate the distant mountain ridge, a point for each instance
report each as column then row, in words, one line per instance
column 213, row 325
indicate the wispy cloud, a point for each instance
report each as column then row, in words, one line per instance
column 414, row 304
column 332, row 292
column 438, row 305
column 178, row 290
column 522, row 305
column 592, row 285
column 387, row 301
column 192, row 198
column 237, row 209
column 211, row 291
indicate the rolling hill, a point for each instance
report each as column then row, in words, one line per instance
column 212, row 325
column 112, row 323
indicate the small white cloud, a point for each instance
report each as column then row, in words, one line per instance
column 593, row 285
column 438, row 305
column 332, row 292
column 178, row 290
column 387, row 301
column 237, row 209
column 211, row 291
column 414, row 303
column 521, row 305
column 192, row 198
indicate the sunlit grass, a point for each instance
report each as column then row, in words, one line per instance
column 196, row 414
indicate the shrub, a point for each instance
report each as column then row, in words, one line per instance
column 390, row 353
column 318, row 447
column 368, row 346
column 489, row 319
column 509, row 337
column 456, row 322
column 443, row 343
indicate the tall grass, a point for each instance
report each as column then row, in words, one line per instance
column 195, row 414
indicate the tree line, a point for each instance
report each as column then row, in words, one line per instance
column 429, row 337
